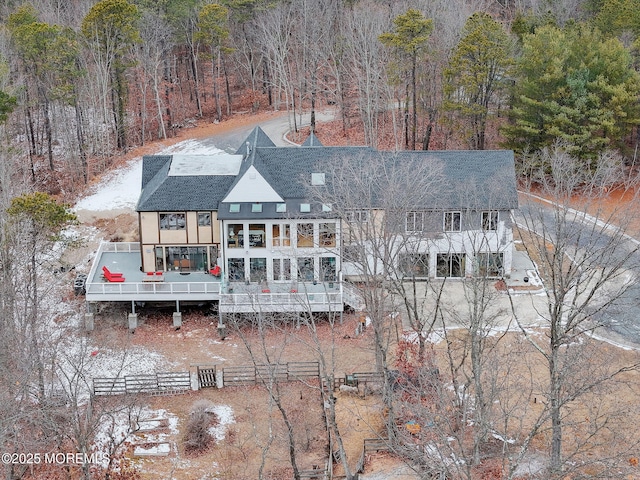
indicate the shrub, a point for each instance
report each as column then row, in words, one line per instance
column 197, row 437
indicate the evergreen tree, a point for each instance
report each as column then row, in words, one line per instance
column 477, row 73
column 575, row 86
column 409, row 38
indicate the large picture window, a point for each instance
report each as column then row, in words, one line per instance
column 258, row 269
column 305, row 269
column 305, row 235
column 328, row 269
column 450, row 265
column 235, row 235
column 257, row 237
column 236, row 269
column 414, row 265
column 490, row 264
column 173, row 221
column 327, row 235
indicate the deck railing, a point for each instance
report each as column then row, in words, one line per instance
column 281, row 298
column 118, row 247
column 160, row 288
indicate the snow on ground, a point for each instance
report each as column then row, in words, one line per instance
column 77, row 357
column 128, row 425
column 120, row 189
column 225, row 418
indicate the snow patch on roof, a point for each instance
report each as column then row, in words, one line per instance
column 120, row 189
column 219, row 163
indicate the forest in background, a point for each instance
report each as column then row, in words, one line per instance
column 82, row 81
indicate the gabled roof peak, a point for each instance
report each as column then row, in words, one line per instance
column 312, row 141
column 257, row 138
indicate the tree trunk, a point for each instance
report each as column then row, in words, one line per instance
column 555, row 409
column 193, row 63
column 406, row 118
column 81, row 142
column 227, row 87
column 266, row 81
column 48, row 133
column 414, row 119
column 215, row 70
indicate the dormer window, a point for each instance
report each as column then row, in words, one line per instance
column 256, row 208
column 317, row 179
column 281, row 208
column 305, row 207
column 234, row 208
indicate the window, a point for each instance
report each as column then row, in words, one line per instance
column 450, row 265
column 357, row 216
column 281, row 235
column 281, row 207
column 489, row 264
column 213, row 256
column 256, row 208
column 305, row 269
column 353, row 253
column 305, row 207
column 327, row 235
column 489, row 220
column 257, row 269
column 173, row 221
column 159, row 259
column 204, row 219
column 452, row 221
column 328, row 269
column 234, row 208
column 282, row 269
column 305, row 235
column 414, row 265
column 414, row 222
column 327, row 207
column 235, row 237
column 236, row 269
column 257, row 235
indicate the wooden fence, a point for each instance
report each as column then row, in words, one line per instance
column 371, row 445
column 207, row 376
column 357, row 379
column 280, row 372
column 161, row 383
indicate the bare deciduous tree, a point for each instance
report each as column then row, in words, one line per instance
column 578, row 239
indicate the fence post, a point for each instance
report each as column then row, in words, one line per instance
column 219, row 377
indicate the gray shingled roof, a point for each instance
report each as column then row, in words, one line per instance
column 470, row 179
column 312, row 141
column 256, row 139
column 162, row 192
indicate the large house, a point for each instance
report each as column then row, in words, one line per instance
column 273, row 227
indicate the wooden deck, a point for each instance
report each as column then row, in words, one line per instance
column 173, row 286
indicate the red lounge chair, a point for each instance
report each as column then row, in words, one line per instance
column 110, row 273
column 112, row 276
column 215, row 271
